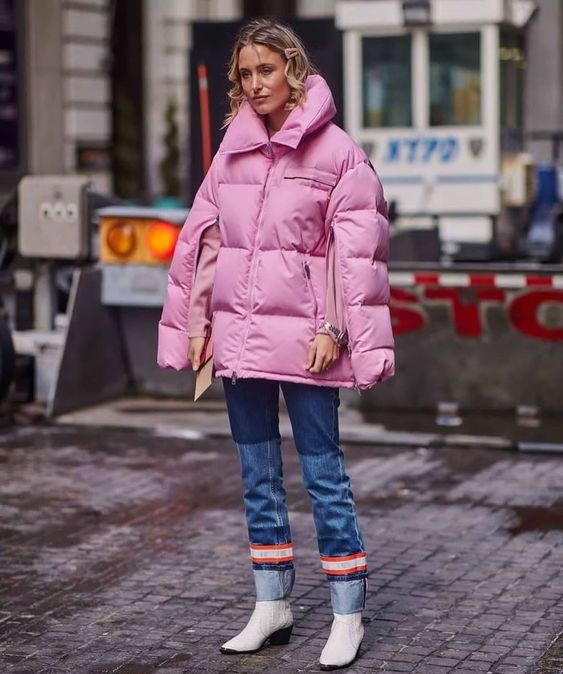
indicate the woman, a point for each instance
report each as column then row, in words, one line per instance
column 283, row 256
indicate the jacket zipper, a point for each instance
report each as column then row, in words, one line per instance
column 332, row 241
column 307, row 272
column 234, row 375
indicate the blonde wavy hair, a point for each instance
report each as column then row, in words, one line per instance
column 277, row 37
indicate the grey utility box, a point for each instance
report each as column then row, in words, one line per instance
column 53, row 216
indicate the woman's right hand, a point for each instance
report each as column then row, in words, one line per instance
column 195, row 349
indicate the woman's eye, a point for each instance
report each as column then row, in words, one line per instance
column 267, row 71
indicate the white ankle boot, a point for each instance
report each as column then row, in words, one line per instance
column 270, row 621
column 343, row 645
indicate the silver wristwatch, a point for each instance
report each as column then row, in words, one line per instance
column 339, row 335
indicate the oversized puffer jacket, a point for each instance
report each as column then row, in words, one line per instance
column 280, row 203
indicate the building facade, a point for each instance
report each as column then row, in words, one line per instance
column 101, row 87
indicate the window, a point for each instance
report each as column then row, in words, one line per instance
column 386, row 81
column 455, row 79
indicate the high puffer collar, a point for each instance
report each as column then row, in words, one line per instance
column 247, row 131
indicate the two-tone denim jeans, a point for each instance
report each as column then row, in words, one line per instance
column 253, row 408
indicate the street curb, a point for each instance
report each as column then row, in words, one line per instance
column 365, row 434
column 347, row 436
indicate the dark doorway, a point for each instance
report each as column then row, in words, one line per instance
column 279, row 8
column 212, row 45
column 127, row 151
column 12, row 105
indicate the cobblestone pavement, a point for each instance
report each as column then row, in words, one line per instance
column 125, row 552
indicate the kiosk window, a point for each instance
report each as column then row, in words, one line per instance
column 386, row 81
column 455, row 79
column 512, row 69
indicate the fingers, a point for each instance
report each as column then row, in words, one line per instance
column 323, row 353
column 194, row 358
column 195, row 350
column 311, row 354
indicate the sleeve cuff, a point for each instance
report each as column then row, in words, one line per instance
column 172, row 348
column 199, row 328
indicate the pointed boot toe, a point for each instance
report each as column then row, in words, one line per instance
column 344, row 641
column 270, row 623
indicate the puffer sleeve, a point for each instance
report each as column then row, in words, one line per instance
column 173, row 328
column 357, row 213
column 200, row 303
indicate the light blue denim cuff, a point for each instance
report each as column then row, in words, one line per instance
column 348, row 596
column 273, row 584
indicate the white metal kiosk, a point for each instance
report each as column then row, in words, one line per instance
column 434, row 93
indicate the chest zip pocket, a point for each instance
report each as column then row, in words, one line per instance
column 310, row 177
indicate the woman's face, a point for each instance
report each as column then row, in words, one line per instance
column 263, row 78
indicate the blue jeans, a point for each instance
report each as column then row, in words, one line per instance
column 253, row 408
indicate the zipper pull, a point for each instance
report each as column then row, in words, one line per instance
column 307, row 270
column 234, row 377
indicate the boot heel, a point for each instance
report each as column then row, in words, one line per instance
column 281, row 637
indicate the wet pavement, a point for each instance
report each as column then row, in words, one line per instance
column 125, row 551
column 526, row 430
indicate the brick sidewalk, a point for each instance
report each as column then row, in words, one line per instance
column 123, row 552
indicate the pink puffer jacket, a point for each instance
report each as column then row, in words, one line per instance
column 280, row 203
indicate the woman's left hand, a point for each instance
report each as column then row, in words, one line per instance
column 323, row 353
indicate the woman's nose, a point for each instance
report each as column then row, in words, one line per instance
column 256, row 82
